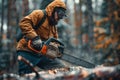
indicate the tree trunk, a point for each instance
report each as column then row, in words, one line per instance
column 25, row 7
column 2, row 22
column 90, row 23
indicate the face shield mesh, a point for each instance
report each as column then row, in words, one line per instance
column 61, row 12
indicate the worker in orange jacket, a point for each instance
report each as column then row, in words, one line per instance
column 55, row 11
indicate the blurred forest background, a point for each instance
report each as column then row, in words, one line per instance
column 90, row 32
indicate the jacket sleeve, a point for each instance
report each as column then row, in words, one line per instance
column 27, row 23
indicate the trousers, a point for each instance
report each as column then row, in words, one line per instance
column 35, row 59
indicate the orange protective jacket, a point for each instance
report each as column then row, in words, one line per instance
column 45, row 31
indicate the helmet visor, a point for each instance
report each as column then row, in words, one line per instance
column 61, row 12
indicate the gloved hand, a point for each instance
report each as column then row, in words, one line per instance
column 55, row 51
column 36, row 43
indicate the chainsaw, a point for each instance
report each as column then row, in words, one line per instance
column 54, row 48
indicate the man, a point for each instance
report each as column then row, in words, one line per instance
column 54, row 12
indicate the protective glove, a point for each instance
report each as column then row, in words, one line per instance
column 55, row 51
column 36, row 43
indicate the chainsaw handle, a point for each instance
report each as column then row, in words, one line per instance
column 53, row 40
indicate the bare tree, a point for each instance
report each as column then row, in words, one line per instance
column 90, row 22
column 2, row 22
column 25, row 5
